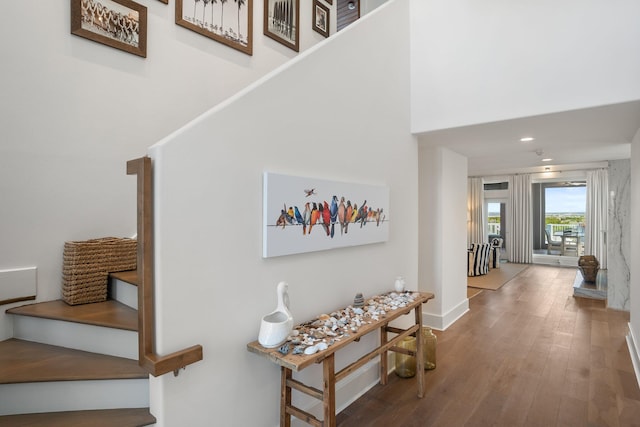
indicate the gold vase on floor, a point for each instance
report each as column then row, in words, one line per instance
column 429, row 340
column 405, row 364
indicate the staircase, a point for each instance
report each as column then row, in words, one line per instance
column 89, row 365
column 76, row 365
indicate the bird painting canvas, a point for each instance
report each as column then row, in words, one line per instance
column 304, row 214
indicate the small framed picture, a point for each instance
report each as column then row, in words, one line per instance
column 230, row 23
column 329, row 2
column 320, row 18
column 282, row 22
column 121, row 24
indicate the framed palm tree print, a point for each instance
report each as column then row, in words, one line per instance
column 282, row 22
column 227, row 21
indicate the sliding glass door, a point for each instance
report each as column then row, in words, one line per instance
column 559, row 218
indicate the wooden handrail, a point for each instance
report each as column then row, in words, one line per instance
column 147, row 358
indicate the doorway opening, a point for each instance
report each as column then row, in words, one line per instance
column 559, row 218
column 496, row 220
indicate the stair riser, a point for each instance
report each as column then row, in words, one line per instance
column 96, row 339
column 124, row 292
column 73, row 395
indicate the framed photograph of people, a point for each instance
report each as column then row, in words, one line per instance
column 320, row 18
column 227, row 22
column 121, row 24
column 282, row 22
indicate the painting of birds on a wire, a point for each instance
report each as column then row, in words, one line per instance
column 307, row 214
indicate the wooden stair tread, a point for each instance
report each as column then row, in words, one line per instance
column 129, row 417
column 26, row 361
column 130, row 276
column 110, row 313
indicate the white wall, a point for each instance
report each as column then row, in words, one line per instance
column 442, row 234
column 480, row 68
column 73, row 111
column 306, row 120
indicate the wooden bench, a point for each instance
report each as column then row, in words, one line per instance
column 297, row 362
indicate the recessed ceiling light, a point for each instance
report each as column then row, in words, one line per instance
column 526, row 139
column 546, row 160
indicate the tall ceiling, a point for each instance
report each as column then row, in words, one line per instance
column 571, row 138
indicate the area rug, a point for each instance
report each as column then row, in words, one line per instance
column 496, row 277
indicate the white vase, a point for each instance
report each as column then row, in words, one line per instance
column 276, row 326
column 398, row 285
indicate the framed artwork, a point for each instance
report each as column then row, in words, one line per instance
column 308, row 214
column 320, row 18
column 227, row 22
column 282, row 22
column 330, row 2
column 121, row 24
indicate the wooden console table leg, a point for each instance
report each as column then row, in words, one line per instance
column 329, row 391
column 383, row 356
column 285, row 397
column 419, row 352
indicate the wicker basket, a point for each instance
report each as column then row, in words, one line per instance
column 87, row 265
column 589, row 266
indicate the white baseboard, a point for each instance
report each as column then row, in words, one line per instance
column 442, row 322
column 633, row 352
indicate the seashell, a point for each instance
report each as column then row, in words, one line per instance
column 298, row 349
column 311, row 349
column 322, row 346
column 284, row 349
column 358, row 311
column 324, row 317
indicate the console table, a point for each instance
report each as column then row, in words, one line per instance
column 297, row 362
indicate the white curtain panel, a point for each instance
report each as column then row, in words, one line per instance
column 520, row 220
column 595, row 233
column 475, row 211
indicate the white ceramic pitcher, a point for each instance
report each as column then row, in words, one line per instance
column 276, row 326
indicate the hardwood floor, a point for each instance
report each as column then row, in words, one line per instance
column 528, row 354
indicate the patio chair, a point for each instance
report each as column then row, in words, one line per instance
column 553, row 244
